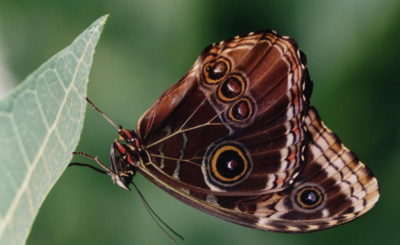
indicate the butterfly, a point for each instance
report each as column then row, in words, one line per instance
column 237, row 138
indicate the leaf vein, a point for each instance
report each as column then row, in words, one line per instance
column 25, row 184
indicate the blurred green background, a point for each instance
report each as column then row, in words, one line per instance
column 353, row 50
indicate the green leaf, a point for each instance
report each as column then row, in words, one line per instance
column 40, row 124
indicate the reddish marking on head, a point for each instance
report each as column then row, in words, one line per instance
column 130, row 160
column 121, row 149
column 127, row 134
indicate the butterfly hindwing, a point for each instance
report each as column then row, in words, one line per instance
column 333, row 188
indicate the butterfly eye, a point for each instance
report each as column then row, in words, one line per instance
column 241, row 110
column 309, row 197
column 229, row 164
column 231, row 88
column 215, row 70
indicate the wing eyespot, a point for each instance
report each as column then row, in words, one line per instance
column 241, row 110
column 228, row 164
column 308, row 198
column 231, row 88
column 215, row 70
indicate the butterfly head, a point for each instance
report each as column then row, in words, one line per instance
column 124, row 157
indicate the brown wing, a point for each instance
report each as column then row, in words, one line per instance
column 333, row 188
column 234, row 124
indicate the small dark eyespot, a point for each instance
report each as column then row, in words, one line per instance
column 231, row 88
column 241, row 110
column 215, row 70
column 309, row 197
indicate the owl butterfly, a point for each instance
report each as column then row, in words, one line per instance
column 237, row 138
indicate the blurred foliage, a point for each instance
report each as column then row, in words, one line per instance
column 353, row 56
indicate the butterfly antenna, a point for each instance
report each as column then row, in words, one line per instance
column 99, row 170
column 157, row 218
column 103, row 114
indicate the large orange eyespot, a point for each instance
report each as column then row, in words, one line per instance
column 214, row 71
column 309, row 197
column 229, row 164
column 231, row 88
column 241, row 110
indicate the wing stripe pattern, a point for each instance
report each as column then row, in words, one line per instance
column 275, row 67
column 349, row 190
column 349, row 187
column 299, row 177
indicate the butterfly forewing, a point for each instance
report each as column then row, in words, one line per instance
column 233, row 124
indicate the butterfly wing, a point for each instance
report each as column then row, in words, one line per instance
column 333, row 188
column 233, row 125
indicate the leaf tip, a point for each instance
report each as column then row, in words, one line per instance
column 98, row 25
